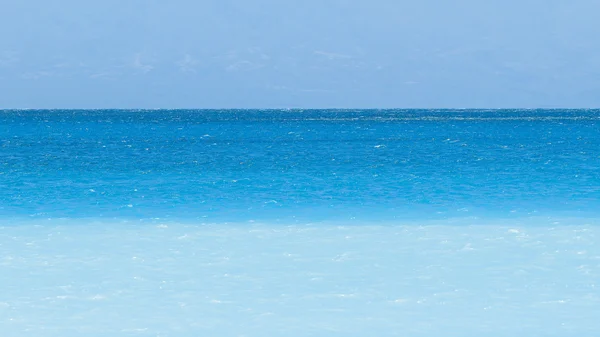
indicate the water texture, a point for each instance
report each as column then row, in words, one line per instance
column 238, row 165
column 300, row 223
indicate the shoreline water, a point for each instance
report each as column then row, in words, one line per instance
column 311, row 279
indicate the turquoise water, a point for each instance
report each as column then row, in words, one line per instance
column 238, row 165
column 300, row 223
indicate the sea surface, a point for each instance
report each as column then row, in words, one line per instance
column 299, row 222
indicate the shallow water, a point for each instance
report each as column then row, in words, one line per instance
column 98, row 279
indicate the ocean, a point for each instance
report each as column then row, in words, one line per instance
column 299, row 222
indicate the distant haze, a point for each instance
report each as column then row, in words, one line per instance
column 310, row 53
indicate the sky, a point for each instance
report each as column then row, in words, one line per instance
column 299, row 54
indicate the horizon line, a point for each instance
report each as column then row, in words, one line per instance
column 301, row 109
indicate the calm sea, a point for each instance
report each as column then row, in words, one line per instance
column 274, row 165
column 300, row 223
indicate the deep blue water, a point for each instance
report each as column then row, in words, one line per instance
column 239, row 165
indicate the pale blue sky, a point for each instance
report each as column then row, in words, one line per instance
column 309, row 53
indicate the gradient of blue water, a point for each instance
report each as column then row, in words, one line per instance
column 529, row 268
column 239, row 165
